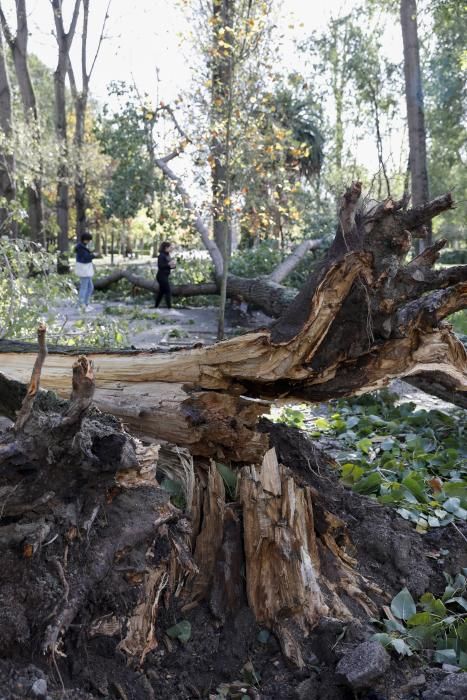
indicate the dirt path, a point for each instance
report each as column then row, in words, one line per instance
column 146, row 327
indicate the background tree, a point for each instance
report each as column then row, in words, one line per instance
column 80, row 99
column 7, row 158
column 443, row 54
column 18, row 44
column 64, row 41
column 415, row 108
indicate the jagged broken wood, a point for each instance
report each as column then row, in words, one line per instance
column 94, row 541
column 362, row 319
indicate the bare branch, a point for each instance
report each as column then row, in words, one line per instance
column 427, row 312
column 33, row 388
column 292, row 260
column 199, row 224
column 414, row 218
column 181, row 131
column 427, row 257
column 71, row 77
column 6, row 30
column 101, row 38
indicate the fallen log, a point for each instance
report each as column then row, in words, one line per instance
column 94, row 551
column 362, row 319
column 266, row 292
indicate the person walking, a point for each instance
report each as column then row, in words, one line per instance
column 84, row 269
column 165, row 265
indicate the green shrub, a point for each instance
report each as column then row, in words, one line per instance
column 454, row 257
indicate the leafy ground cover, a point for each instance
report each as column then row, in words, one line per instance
column 409, row 458
column 434, row 627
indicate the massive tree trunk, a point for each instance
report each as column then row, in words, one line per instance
column 362, row 319
column 96, row 557
column 19, row 46
column 64, row 41
column 415, row 109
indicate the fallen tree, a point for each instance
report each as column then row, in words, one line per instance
column 362, row 319
column 97, row 560
column 88, row 534
column 265, row 292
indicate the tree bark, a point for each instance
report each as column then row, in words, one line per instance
column 415, row 109
column 18, row 45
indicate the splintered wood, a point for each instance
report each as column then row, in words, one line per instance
column 282, row 561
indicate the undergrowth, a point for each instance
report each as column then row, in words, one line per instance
column 412, row 459
column 435, row 628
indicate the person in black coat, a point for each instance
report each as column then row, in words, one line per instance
column 165, row 265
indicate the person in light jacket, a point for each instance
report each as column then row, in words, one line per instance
column 84, row 269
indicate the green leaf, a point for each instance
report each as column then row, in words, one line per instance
column 416, row 486
column 229, row 477
column 446, row 656
column 433, row 605
column 180, row 631
column 401, row 647
column 452, row 504
column 364, row 445
column 351, row 473
column 422, row 618
column 322, row 423
column 369, row 484
column 383, row 638
column 394, row 626
column 403, row 605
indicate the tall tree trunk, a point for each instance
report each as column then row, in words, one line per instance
column 64, row 41
column 80, row 99
column 415, row 110
column 18, row 45
column 7, row 158
column 80, row 184
column 62, row 170
column 221, row 116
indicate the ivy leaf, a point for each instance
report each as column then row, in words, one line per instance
column 403, row 605
column 401, row 647
column 383, row 638
column 446, row 656
column 369, row 484
column 180, row 631
column 421, row 618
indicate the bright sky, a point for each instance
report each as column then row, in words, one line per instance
column 144, row 36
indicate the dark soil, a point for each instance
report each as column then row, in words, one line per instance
column 236, row 659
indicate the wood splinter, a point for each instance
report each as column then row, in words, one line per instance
column 34, row 384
